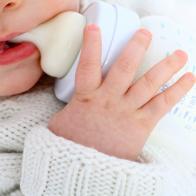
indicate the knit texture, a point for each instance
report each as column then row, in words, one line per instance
column 35, row 162
column 51, row 165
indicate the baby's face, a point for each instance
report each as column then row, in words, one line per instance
column 20, row 66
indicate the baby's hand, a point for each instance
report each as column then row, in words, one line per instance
column 112, row 114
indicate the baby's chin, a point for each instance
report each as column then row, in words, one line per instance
column 20, row 77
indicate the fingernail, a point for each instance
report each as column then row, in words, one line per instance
column 181, row 54
column 92, row 27
column 191, row 77
column 145, row 32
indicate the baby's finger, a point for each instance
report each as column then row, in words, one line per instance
column 89, row 75
column 147, row 87
column 122, row 72
column 163, row 103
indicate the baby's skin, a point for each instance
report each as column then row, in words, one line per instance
column 115, row 121
column 18, row 16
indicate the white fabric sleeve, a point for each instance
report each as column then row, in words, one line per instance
column 10, row 170
column 55, row 166
column 19, row 115
column 15, row 192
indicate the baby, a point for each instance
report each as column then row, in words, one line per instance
column 115, row 121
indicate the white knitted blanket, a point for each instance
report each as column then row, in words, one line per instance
column 35, row 162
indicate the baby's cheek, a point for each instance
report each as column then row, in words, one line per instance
column 22, row 77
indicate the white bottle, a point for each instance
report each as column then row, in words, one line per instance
column 60, row 39
column 117, row 25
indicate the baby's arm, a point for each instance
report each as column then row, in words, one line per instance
column 113, row 115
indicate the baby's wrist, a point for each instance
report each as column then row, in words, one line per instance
column 109, row 143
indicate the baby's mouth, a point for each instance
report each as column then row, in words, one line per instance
column 11, row 52
column 6, row 45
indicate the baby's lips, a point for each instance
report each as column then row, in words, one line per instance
column 2, row 46
column 11, row 53
column 35, row 46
